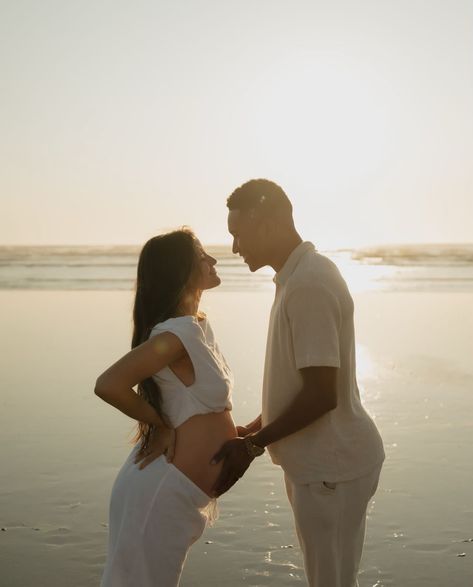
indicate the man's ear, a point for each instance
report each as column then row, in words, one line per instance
column 252, row 215
column 271, row 227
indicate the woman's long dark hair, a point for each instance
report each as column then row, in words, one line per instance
column 166, row 266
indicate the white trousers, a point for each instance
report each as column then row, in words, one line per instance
column 330, row 520
column 156, row 514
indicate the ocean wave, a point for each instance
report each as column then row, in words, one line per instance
column 441, row 255
column 114, row 267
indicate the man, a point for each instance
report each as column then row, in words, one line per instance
column 312, row 420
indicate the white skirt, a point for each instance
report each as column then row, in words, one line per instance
column 156, row 514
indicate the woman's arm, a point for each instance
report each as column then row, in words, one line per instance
column 115, row 384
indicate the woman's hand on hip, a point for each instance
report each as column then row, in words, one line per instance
column 162, row 442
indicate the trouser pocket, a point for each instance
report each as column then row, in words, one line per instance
column 328, row 486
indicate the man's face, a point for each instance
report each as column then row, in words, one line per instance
column 248, row 239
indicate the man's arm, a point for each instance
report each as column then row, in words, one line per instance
column 315, row 319
column 317, row 397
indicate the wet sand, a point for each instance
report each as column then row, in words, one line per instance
column 61, row 446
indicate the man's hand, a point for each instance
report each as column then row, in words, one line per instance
column 243, row 431
column 162, row 442
column 236, row 461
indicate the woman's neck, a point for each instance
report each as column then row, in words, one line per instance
column 189, row 305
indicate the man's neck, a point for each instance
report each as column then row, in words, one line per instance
column 284, row 248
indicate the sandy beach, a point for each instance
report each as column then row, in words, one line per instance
column 256, row 124
column 61, row 446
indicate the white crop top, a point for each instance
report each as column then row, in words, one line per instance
column 213, row 383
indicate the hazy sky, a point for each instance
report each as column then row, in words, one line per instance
column 122, row 118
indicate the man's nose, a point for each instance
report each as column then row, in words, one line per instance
column 235, row 249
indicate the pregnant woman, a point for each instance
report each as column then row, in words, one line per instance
column 159, row 508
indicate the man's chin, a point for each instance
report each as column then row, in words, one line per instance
column 253, row 266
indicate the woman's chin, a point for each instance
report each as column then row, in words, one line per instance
column 214, row 282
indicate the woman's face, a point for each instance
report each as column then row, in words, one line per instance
column 207, row 278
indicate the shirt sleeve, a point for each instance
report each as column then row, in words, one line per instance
column 315, row 320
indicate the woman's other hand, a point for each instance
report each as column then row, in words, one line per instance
column 252, row 427
column 243, row 431
column 162, row 442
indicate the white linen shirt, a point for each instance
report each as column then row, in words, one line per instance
column 311, row 325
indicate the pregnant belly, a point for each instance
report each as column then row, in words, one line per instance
column 197, row 440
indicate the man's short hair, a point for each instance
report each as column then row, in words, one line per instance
column 261, row 195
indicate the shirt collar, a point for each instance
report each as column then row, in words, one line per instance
column 292, row 261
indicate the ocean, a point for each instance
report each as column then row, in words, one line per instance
column 393, row 268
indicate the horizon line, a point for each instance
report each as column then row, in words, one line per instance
column 229, row 246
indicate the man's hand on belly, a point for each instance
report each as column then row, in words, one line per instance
column 236, row 461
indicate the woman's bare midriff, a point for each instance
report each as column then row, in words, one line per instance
column 197, row 440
